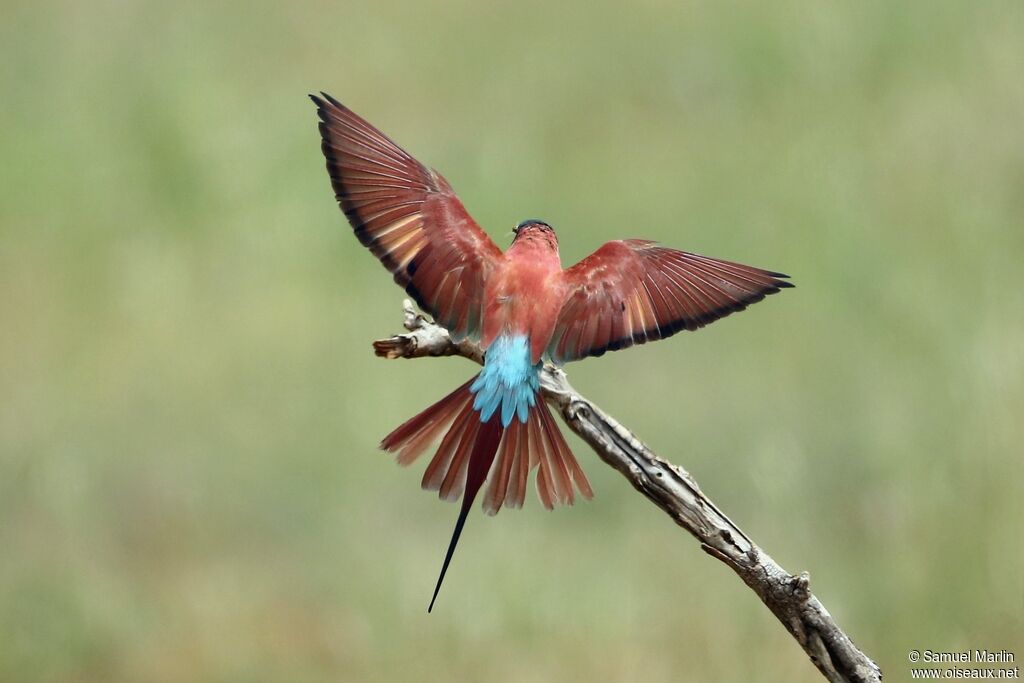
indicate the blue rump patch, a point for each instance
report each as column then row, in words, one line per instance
column 508, row 380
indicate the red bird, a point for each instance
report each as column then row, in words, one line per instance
column 520, row 305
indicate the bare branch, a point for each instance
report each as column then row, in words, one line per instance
column 672, row 489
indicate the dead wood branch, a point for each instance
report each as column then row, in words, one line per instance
column 672, row 489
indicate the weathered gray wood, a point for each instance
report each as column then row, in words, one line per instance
column 672, row 489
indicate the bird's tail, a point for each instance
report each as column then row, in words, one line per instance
column 471, row 451
column 536, row 443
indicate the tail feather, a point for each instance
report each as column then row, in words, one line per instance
column 412, row 437
column 429, row 434
column 485, row 440
column 459, row 523
column 538, row 443
column 498, row 487
column 519, row 467
column 568, row 467
column 456, row 479
column 437, row 470
column 526, row 460
column 578, row 476
column 558, row 475
column 473, row 453
column 544, row 488
column 540, row 452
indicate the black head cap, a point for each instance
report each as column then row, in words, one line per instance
column 530, row 221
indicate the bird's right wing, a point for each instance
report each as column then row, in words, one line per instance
column 634, row 291
column 409, row 217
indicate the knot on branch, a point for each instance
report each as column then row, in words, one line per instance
column 576, row 409
column 801, row 586
column 730, row 540
column 412, row 319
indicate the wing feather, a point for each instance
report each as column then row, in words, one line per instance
column 634, row 291
column 409, row 217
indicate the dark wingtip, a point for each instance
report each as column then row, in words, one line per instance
column 780, row 279
column 333, row 101
column 319, row 102
column 321, row 110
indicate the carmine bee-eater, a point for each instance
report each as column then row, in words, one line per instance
column 520, row 305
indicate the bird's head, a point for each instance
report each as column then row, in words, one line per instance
column 534, row 231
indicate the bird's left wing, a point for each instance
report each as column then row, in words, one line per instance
column 409, row 217
column 634, row 291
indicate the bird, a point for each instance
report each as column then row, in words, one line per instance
column 520, row 305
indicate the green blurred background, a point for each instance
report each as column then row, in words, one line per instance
column 189, row 407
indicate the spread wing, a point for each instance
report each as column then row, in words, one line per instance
column 409, row 217
column 634, row 291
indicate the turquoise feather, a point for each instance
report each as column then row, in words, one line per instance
column 508, row 381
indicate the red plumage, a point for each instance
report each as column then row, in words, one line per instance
column 409, row 217
column 634, row 291
column 627, row 292
column 466, row 455
column 537, row 444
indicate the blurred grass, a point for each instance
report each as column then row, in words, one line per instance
column 189, row 411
